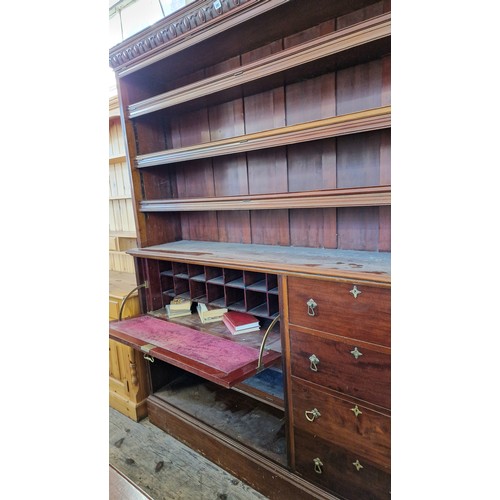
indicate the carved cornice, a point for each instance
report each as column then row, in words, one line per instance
column 171, row 30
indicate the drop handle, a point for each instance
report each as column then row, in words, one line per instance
column 314, row 362
column 312, row 415
column 317, row 466
column 311, row 305
column 149, row 358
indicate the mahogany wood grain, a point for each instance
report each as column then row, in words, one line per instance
column 159, row 228
column 265, row 111
column 270, row 227
column 192, row 179
column 261, row 52
column 385, row 229
column 338, row 472
column 153, row 293
column 311, row 99
column 385, row 157
column 315, row 227
column 234, row 226
column 226, row 120
column 190, row 128
column 312, row 166
column 367, row 433
column 367, row 317
column 386, row 81
column 230, row 175
column 367, row 378
column 359, row 15
column 200, row 226
column 358, row 228
column 358, row 160
column 359, row 87
column 267, row 171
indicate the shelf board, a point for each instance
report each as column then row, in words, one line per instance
column 123, row 234
column 122, row 197
column 340, row 264
column 351, row 123
column 348, row 38
column 260, row 286
column 343, row 197
column 117, row 159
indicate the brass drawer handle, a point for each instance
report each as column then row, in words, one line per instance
column 312, row 415
column 357, row 465
column 149, row 358
column 355, row 292
column 356, row 353
column 356, row 411
column 314, row 362
column 317, row 466
column 311, row 305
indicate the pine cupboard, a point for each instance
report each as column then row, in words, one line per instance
column 258, row 141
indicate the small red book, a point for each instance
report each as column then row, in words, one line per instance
column 240, row 321
column 243, row 330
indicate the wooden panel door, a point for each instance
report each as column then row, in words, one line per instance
column 127, row 381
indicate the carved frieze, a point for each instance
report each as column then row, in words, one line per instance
column 172, row 28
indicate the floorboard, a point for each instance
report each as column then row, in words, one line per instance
column 164, row 468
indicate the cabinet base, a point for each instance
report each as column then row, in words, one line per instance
column 262, row 474
column 135, row 411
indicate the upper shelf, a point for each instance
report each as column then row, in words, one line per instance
column 362, row 121
column 344, row 197
column 364, row 33
column 341, row 264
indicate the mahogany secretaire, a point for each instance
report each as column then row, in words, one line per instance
column 258, row 140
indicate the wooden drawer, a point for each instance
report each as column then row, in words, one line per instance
column 342, row 422
column 344, row 367
column 344, row 473
column 365, row 317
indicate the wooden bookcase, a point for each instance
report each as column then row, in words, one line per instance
column 258, row 141
column 122, row 233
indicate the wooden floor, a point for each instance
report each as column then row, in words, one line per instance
column 164, row 468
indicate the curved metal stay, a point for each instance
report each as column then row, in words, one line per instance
column 263, row 343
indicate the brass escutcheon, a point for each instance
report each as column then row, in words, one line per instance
column 356, row 411
column 357, row 465
column 356, row 353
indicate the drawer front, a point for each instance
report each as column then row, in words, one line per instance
column 355, row 311
column 343, row 422
column 343, row 367
column 342, row 472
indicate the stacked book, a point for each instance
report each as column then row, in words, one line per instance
column 209, row 314
column 238, row 322
column 179, row 306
